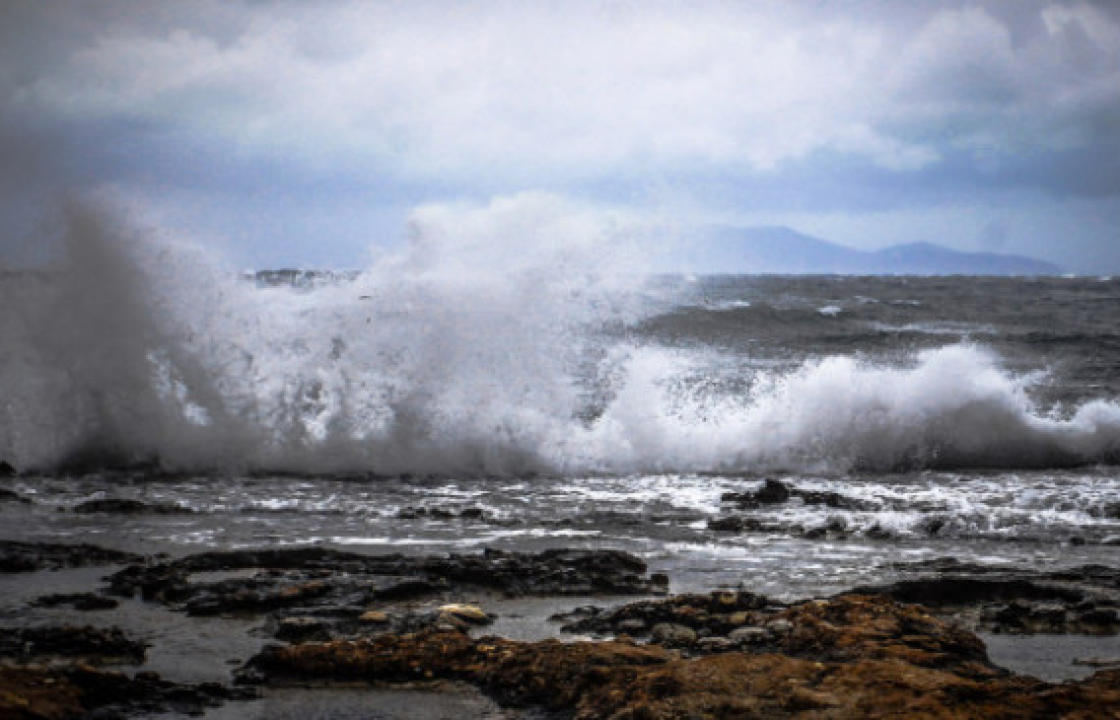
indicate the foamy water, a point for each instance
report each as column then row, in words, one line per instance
column 503, row 339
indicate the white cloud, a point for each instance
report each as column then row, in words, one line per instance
column 573, row 89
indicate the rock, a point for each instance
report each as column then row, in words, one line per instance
column 672, row 635
column 779, row 626
column 712, row 614
column 850, row 657
column 66, row 641
column 1097, row 662
column 79, row 601
column 747, row 635
column 12, row 496
column 29, row 557
column 302, row 628
column 1082, row 600
column 715, row 644
column 374, row 616
column 469, row 613
column 6, row 470
column 471, row 513
column 775, row 492
column 127, row 506
column 772, row 492
column 82, row 692
column 727, row 524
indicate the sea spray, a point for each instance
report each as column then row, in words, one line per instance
column 466, row 351
column 508, row 338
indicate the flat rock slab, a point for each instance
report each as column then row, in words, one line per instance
column 80, row 691
column 29, row 557
column 1083, row 600
column 336, row 587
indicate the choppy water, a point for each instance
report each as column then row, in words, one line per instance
column 504, row 360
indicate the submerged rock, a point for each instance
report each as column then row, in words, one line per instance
column 851, row 657
column 78, row 601
column 66, row 641
column 128, row 506
column 29, row 557
column 12, row 496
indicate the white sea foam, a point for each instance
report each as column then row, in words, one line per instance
column 492, row 343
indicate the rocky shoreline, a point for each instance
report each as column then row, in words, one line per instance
column 394, row 620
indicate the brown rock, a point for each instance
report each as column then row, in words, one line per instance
column 849, row 657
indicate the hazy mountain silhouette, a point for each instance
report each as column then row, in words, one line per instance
column 786, row 251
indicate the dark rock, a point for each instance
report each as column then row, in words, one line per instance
column 713, row 614
column 81, row 692
column 312, row 578
column 673, row 635
column 12, row 496
column 302, row 628
column 774, row 492
column 1013, row 600
column 66, row 641
column 29, row 557
column 79, row 601
column 6, row 470
column 771, row 492
column 127, row 506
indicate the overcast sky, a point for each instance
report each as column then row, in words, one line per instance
column 304, row 133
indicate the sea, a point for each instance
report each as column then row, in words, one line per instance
column 452, row 397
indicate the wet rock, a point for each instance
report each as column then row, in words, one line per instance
column 78, row 601
column 29, row 557
column 82, row 692
column 1084, row 600
column 303, row 628
column 12, row 496
column 775, row 492
column 672, row 635
column 740, row 524
column 845, row 658
column 747, row 635
column 127, row 506
column 374, row 616
column 713, row 614
column 342, row 586
column 469, row 613
column 66, row 641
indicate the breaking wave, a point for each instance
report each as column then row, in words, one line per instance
column 499, row 340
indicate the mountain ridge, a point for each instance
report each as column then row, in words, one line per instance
column 777, row 249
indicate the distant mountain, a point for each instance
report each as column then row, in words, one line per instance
column 786, row 251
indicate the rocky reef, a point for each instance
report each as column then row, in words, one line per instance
column 848, row 657
column 1082, row 600
column 17, row 557
column 79, row 691
column 320, row 593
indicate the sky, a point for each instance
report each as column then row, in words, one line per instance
column 296, row 133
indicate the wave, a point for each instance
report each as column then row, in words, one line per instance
column 500, row 340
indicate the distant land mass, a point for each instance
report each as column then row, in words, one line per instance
column 781, row 250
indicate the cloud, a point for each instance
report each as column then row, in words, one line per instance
column 805, row 103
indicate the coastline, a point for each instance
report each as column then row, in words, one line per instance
column 582, row 633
